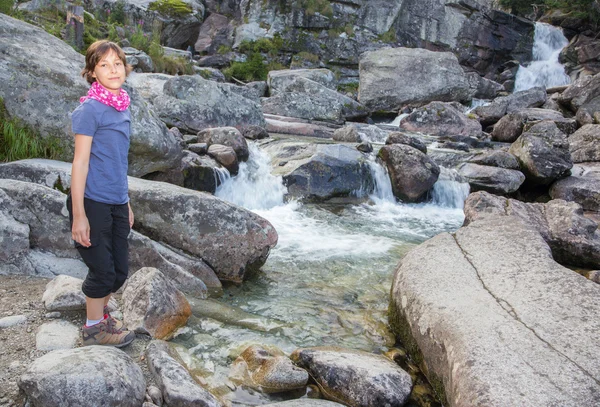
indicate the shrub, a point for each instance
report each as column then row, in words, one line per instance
column 322, row 7
column 7, row 6
column 254, row 69
column 171, row 8
column 389, row 36
column 117, row 14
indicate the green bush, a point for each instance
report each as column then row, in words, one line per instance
column 389, row 36
column 117, row 14
column 269, row 45
column 254, row 69
column 585, row 9
column 171, row 8
column 322, row 7
column 7, row 6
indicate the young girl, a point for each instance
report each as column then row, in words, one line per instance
column 99, row 209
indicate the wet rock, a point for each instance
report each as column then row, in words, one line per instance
column 198, row 148
column 490, row 114
column 64, row 293
column 226, row 136
column 267, row 370
column 89, row 371
column 441, row 119
column 500, row 159
column 278, row 81
column 254, row 132
column 584, row 191
column 492, row 179
column 347, row 134
column 152, row 305
column 510, row 127
column 177, row 385
column 365, row 147
column 225, row 156
column 457, row 298
column 13, row 320
column 584, row 144
column 543, row 153
column 56, row 335
column 305, row 403
column 402, row 138
column 355, row 377
column 412, row 173
column 233, row 315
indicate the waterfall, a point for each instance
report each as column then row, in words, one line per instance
column 382, row 190
column 449, row 191
column 544, row 70
column 254, row 187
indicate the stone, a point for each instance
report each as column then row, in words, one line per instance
column 582, row 91
column 267, row 370
column 225, row 156
column 491, row 179
column 355, row 378
column 365, row 147
column 498, row 158
column 403, row 138
column 589, row 112
column 56, row 335
column 279, row 80
column 585, row 191
column 177, row 385
column 490, row 114
column 155, row 394
column 483, row 88
column 64, row 293
column 348, row 134
column 227, row 136
column 89, row 371
column 417, row 77
column 412, row 173
column 584, row 144
column 214, row 32
column 510, row 127
column 491, row 295
column 308, row 402
column 198, row 148
column 13, row 320
column 543, row 153
column 152, row 305
column 139, row 60
column 441, row 119
column 254, row 132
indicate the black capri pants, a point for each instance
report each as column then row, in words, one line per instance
column 108, row 257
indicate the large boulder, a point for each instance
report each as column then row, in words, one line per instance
column 441, row 119
column 497, row 158
column 333, row 171
column 73, row 377
column 543, row 153
column 582, row 91
column 192, row 103
column 412, row 173
column 510, row 127
column 393, row 77
column 492, row 179
column 583, row 190
column 477, row 306
column 573, row 238
column 227, row 136
column 52, row 79
column 490, row 114
column 279, row 80
column 214, row 33
column 589, row 113
column 355, row 378
column 584, row 144
column 399, row 137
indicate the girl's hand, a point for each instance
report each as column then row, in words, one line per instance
column 81, row 231
column 130, row 216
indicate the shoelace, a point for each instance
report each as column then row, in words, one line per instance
column 111, row 326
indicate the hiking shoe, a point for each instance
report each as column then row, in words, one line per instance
column 118, row 323
column 105, row 333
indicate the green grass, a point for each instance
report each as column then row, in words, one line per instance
column 171, row 8
column 389, row 36
column 322, row 7
column 254, row 69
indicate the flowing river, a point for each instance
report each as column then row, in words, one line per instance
column 326, row 282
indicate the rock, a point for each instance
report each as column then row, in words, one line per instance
column 254, row 132
column 589, row 113
column 89, row 371
column 402, row 138
column 283, row 125
column 148, row 85
column 334, row 171
column 584, row 144
column 509, row 128
column 155, row 394
column 56, row 335
column 211, row 74
column 14, row 234
column 371, row 133
column 456, row 299
column 192, row 103
column 198, row 148
column 573, row 238
column 355, row 377
column 267, row 370
column 483, row 88
column 13, row 320
column 177, row 385
column 227, row 136
column 582, row 91
column 347, row 134
column 490, row 114
column 491, row 179
column 139, row 60
column 225, row 156
column 584, row 191
column 308, row 402
column 278, row 81
column 500, row 159
column 152, row 305
column 233, row 315
column 417, row 77
column 441, row 119
column 543, row 153
column 215, row 32
column 412, row 173
column 64, row 293
column 365, row 147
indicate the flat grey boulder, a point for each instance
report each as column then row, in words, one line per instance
column 355, row 378
column 497, row 158
column 393, row 77
column 13, row 320
column 74, row 377
column 64, row 293
column 510, row 127
column 279, row 80
column 580, row 92
column 305, row 403
column 584, row 144
column 412, row 173
column 153, row 305
column 489, row 301
column 583, row 190
column 179, row 389
column 490, row 114
column 441, row 119
column 573, row 238
column 543, row 153
column 491, row 179
column 56, row 335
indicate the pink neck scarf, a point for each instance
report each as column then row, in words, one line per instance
column 103, row 95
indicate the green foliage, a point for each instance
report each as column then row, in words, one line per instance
column 348, row 87
column 170, row 65
column 139, row 39
column 311, row 7
column 18, row 141
column 224, row 49
column 7, row 6
column 306, row 56
column 585, row 9
column 389, row 36
column 254, row 69
column 269, row 45
column 117, row 14
column 171, row 8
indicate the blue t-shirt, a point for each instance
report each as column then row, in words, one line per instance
column 107, row 175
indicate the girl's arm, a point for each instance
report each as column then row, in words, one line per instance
column 81, row 160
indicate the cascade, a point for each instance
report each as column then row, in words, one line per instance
column 449, row 191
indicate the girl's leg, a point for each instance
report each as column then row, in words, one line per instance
column 94, row 308
column 120, row 244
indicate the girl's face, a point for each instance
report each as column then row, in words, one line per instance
column 110, row 72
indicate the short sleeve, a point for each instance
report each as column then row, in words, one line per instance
column 84, row 120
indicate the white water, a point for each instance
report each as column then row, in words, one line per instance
column 544, row 70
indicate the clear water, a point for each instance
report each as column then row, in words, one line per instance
column 545, row 69
column 327, row 281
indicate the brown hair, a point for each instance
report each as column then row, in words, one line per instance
column 96, row 52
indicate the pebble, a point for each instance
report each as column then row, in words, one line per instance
column 56, row 335
column 53, row 315
column 12, row 321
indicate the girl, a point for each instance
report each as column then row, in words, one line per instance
column 98, row 205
